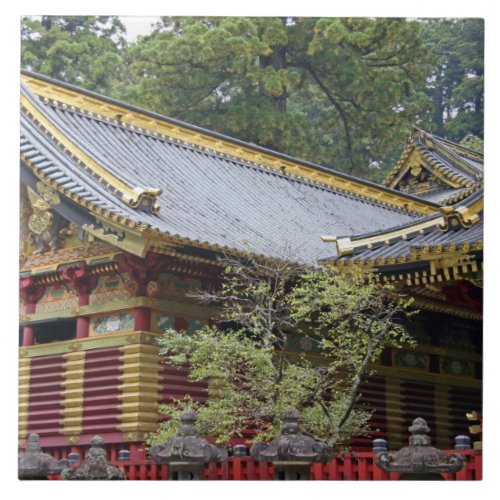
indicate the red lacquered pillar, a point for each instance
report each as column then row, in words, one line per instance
column 30, row 293
column 82, row 322
column 80, row 277
column 142, row 318
column 29, row 331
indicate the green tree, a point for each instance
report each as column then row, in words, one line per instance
column 456, row 85
column 83, row 50
column 252, row 374
column 338, row 91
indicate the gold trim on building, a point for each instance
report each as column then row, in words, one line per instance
column 23, row 397
column 73, row 393
column 140, row 388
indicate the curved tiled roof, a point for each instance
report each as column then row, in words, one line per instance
column 458, row 169
column 207, row 199
column 457, row 228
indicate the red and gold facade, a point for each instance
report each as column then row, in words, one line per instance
column 102, row 275
column 107, row 378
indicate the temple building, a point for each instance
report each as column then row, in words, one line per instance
column 124, row 213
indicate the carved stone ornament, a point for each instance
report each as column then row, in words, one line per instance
column 187, row 446
column 95, row 466
column 292, row 445
column 35, row 464
column 419, row 457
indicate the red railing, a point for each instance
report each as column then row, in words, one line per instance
column 353, row 466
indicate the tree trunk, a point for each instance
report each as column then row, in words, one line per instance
column 277, row 60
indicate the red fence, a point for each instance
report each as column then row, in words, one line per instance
column 353, row 466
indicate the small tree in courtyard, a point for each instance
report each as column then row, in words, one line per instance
column 253, row 374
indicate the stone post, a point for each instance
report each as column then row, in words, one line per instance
column 187, row 453
column 293, row 452
column 419, row 460
column 35, row 464
column 95, row 466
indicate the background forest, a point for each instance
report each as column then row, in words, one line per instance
column 341, row 92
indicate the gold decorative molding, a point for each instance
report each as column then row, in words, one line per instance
column 416, row 154
column 23, row 396
column 73, row 393
column 140, row 387
column 115, row 234
column 393, row 412
column 141, row 122
column 72, row 439
column 428, row 378
column 346, row 245
column 163, row 305
column 85, row 344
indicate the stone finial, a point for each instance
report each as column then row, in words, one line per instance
column 187, row 446
column 35, row 464
column 419, row 457
column 95, row 466
column 292, row 445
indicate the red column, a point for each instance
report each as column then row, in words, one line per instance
column 142, row 317
column 30, row 294
column 82, row 322
column 82, row 281
column 141, row 271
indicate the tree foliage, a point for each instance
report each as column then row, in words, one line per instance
column 456, row 84
column 337, row 91
column 341, row 92
column 83, row 50
column 252, row 373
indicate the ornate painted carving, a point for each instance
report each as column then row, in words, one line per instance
column 29, row 291
column 113, row 323
column 140, row 270
column 169, row 285
column 457, row 367
column 80, row 277
column 72, row 254
column 110, row 289
column 410, row 359
column 165, row 322
column 302, row 343
column 57, row 298
column 47, row 229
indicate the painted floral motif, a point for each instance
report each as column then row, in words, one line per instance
column 409, row 359
column 457, row 367
column 165, row 321
column 57, row 298
column 169, row 285
column 113, row 323
column 110, row 289
column 194, row 325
